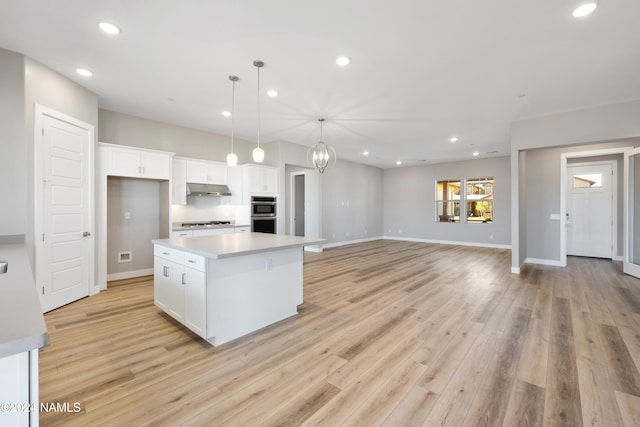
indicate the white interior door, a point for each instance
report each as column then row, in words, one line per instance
column 589, row 207
column 63, row 252
column 631, row 264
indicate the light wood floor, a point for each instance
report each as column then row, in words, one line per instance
column 391, row 333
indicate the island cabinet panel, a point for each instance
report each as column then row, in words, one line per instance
column 195, row 297
column 180, row 287
column 250, row 292
column 230, row 285
column 168, row 287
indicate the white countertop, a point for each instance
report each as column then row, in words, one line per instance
column 22, row 325
column 236, row 244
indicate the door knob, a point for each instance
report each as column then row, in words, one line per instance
column 85, row 234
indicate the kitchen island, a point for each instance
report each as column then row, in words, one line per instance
column 226, row 286
column 23, row 333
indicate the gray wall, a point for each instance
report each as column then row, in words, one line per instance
column 13, row 159
column 123, row 129
column 543, row 197
column 352, row 202
column 352, row 198
column 409, row 202
column 141, row 198
column 25, row 83
column 581, row 130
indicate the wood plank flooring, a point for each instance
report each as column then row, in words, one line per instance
column 390, row 334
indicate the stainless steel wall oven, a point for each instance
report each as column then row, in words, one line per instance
column 263, row 214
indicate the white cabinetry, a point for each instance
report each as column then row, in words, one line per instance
column 182, row 233
column 259, row 180
column 242, row 229
column 180, row 287
column 179, row 182
column 137, row 162
column 203, row 172
column 214, row 231
column 19, row 387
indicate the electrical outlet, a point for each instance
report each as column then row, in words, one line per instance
column 127, row 215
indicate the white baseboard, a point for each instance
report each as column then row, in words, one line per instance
column 552, row 262
column 129, row 274
column 515, row 270
column 449, row 242
column 618, row 258
column 351, row 242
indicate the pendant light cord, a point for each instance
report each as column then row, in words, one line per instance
column 258, row 107
column 233, row 111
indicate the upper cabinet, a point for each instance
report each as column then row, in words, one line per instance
column 179, row 182
column 136, row 162
column 259, row 179
column 203, row 172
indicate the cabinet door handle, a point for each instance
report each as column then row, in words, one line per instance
column 183, row 278
column 165, row 253
column 165, row 271
column 191, row 261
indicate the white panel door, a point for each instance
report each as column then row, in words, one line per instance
column 63, row 255
column 631, row 264
column 589, row 211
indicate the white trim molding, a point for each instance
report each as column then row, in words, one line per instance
column 449, row 242
column 130, row 274
column 351, row 242
column 552, row 262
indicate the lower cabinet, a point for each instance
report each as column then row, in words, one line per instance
column 195, row 301
column 180, row 287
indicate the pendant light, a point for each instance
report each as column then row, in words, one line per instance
column 232, row 158
column 258, row 153
column 323, row 155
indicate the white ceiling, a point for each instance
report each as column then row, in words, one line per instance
column 421, row 71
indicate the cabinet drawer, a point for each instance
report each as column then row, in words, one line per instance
column 197, row 262
column 170, row 254
column 182, row 233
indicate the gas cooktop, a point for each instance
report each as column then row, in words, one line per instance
column 205, row 223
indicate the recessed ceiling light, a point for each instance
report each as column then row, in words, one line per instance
column 272, row 93
column 84, row 72
column 226, row 113
column 585, row 9
column 109, row 28
column 343, row 60
column 365, row 153
column 398, row 162
column 453, row 139
column 475, row 153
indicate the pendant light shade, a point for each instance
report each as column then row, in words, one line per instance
column 232, row 158
column 323, row 155
column 258, row 153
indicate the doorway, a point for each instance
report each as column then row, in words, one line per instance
column 297, row 216
column 589, row 209
column 64, row 216
column 631, row 264
column 304, row 204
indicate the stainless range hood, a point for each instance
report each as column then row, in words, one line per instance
column 213, row 190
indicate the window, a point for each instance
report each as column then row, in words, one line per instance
column 476, row 198
column 593, row 180
column 448, row 201
column 480, row 200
